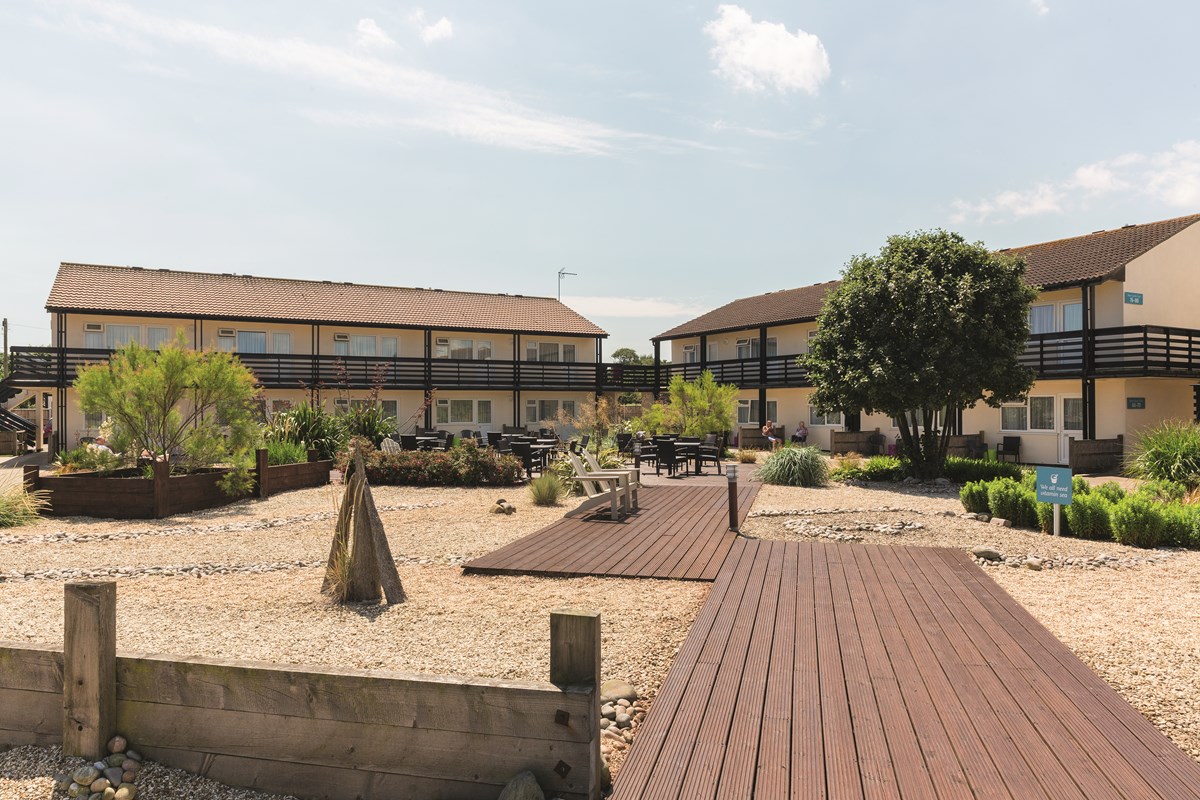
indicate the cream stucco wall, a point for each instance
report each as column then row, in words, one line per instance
column 1168, row 278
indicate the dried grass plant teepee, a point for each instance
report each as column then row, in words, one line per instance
column 360, row 567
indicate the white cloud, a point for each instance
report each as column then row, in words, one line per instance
column 442, row 29
column 373, row 37
column 1040, row 7
column 1171, row 177
column 401, row 96
column 759, row 56
column 598, row 306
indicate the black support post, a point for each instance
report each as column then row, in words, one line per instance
column 657, row 368
column 428, row 378
column 762, row 376
column 703, row 352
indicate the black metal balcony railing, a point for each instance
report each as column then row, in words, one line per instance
column 1116, row 352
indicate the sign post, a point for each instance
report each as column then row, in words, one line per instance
column 1054, row 486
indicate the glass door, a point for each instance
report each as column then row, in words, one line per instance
column 1072, row 426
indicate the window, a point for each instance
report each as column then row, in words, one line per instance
column 1072, row 413
column 834, row 418
column 538, row 411
column 155, row 337
column 281, row 343
column 120, row 335
column 548, row 351
column 690, row 355
column 1041, row 319
column 362, row 345
column 280, row 405
column 226, row 344
column 462, row 411
column 747, row 412
column 454, row 348
column 388, row 407
column 340, row 405
column 251, row 341
column 483, row 352
column 458, row 411
column 484, row 414
column 749, row 348
column 713, row 350
column 341, row 347
column 568, row 353
column 811, row 335
column 442, row 412
column 92, row 420
column 389, row 346
column 93, row 340
column 1072, row 316
column 1037, row 414
column 531, row 351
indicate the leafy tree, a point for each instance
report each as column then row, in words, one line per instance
column 696, row 407
column 594, row 419
column 627, row 355
column 931, row 324
column 175, row 401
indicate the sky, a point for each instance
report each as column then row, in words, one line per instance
column 672, row 156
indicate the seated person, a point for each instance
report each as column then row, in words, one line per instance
column 800, row 436
column 768, row 431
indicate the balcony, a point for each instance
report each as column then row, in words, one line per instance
column 1135, row 351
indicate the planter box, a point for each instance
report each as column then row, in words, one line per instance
column 130, row 497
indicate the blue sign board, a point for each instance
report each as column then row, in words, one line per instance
column 1135, row 403
column 1133, row 298
column 1054, row 485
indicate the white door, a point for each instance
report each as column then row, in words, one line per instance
column 1072, row 426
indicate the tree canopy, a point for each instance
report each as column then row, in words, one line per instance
column 627, row 355
column 932, row 324
column 696, row 408
column 174, row 401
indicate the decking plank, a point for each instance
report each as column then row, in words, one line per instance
column 679, row 533
column 825, row 671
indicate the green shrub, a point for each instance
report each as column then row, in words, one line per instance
column 847, row 472
column 1168, row 451
column 309, row 426
column 88, row 457
column 283, row 452
column 1110, row 491
column 1137, row 521
column 1028, row 479
column 547, row 490
column 466, row 465
column 1010, row 500
column 1163, row 491
column 965, row 470
column 1045, row 516
column 1079, row 486
column 18, row 507
column 1088, row 516
column 884, row 468
column 368, row 422
column 1181, row 525
column 795, row 466
column 974, row 497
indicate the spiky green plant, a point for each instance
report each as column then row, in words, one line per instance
column 547, row 490
column 19, row 507
column 795, row 466
column 1168, row 451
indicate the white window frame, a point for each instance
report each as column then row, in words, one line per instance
column 160, row 332
column 266, row 340
column 833, row 419
column 750, row 416
column 1027, row 406
column 714, row 351
column 691, row 354
column 480, row 405
column 389, row 346
column 93, row 340
column 483, row 350
column 110, row 328
column 281, row 336
column 566, row 350
column 751, row 346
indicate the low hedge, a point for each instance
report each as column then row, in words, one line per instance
column 894, row 468
column 464, row 465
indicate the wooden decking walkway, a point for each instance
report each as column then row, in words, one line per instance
column 679, row 532
column 850, row 671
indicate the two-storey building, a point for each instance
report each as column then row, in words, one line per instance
column 451, row 359
column 1113, row 342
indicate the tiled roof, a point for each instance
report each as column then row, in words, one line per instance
column 1064, row 262
column 1097, row 255
column 773, row 308
column 134, row 290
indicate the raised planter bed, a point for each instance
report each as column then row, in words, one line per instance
column 127, row 495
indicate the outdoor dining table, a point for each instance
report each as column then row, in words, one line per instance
column 690, row 450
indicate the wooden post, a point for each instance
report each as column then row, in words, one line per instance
column 89, row 668
column 575, row 660
column 30, row 475
column 162, row 488
column 261, row 472
column 731, row 477
column 574, row 647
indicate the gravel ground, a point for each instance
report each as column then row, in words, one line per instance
column 477, row 625
column 1137, row 626
column 495, row 626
